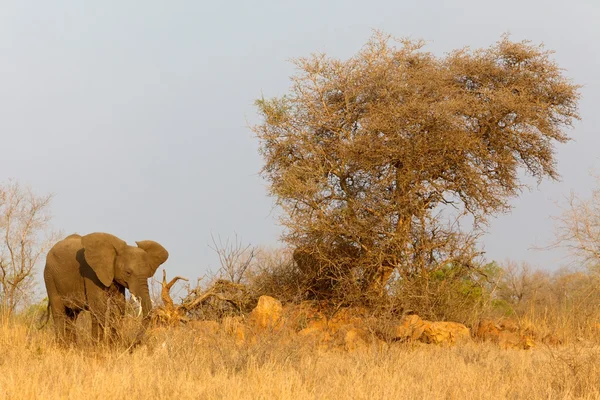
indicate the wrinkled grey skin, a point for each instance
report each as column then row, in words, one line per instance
column 91, row 272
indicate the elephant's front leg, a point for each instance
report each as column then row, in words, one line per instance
column 116, row 311
column 96, row 329
column 107, row 312
column 98, row 305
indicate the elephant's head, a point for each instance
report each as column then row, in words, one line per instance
column 114, row 260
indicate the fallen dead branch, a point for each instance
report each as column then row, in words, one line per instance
column 222, row 298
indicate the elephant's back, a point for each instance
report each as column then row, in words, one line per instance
column 66, row 250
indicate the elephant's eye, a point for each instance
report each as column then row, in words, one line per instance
column 127, row 272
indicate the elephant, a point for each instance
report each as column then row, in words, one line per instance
column 91, row 273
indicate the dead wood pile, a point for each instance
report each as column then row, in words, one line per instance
column 222, row 298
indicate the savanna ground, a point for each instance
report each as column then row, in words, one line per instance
column 186, row 363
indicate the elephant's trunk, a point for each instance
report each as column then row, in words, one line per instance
column 145, row 297
column 142, row 292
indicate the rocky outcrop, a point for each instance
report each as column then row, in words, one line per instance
column 445, row 333
column 410, row 328
column 353, row 329
column 509, row 334
column 267, row 313
column 413, row 328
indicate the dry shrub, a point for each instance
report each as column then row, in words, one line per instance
column 274, row 273
column 456, row 293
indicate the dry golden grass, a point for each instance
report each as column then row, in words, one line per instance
column 186, row 364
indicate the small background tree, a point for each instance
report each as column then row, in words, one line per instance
column 377, row 159
column 24, row 239
column 577, row 229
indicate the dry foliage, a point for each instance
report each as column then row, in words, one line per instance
column 24, row 238
column 375, row 159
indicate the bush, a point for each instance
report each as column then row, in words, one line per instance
column 274, row 273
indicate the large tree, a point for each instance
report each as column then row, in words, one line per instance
column 367, row 155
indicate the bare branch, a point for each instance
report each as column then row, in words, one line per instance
column 234, row 258
column 166, row 287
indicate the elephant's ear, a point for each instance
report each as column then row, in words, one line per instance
column 100, row 252
column 156, row 252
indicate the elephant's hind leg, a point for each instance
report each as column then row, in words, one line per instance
column 64, row 316
column 60, row 320
column 58, row 310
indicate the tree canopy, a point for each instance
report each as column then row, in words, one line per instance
column 365, row 154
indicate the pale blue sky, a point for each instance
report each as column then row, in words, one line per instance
column 135, row 114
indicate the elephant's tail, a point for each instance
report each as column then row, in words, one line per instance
column 44, row 318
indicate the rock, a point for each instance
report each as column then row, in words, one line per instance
column 305, row 316
column 487, row 330
column 355, row 339
column 508, row 340
column 267, row 313
column 312, row 325
column 444, row 333
column 347, row 318
column 411, row 328
column 350, row 339
column 508, row 334
column 509, row 325
column 512, row 340
column 345, row 330
column 315, row 332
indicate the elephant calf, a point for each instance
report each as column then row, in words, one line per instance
column 91, row 272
